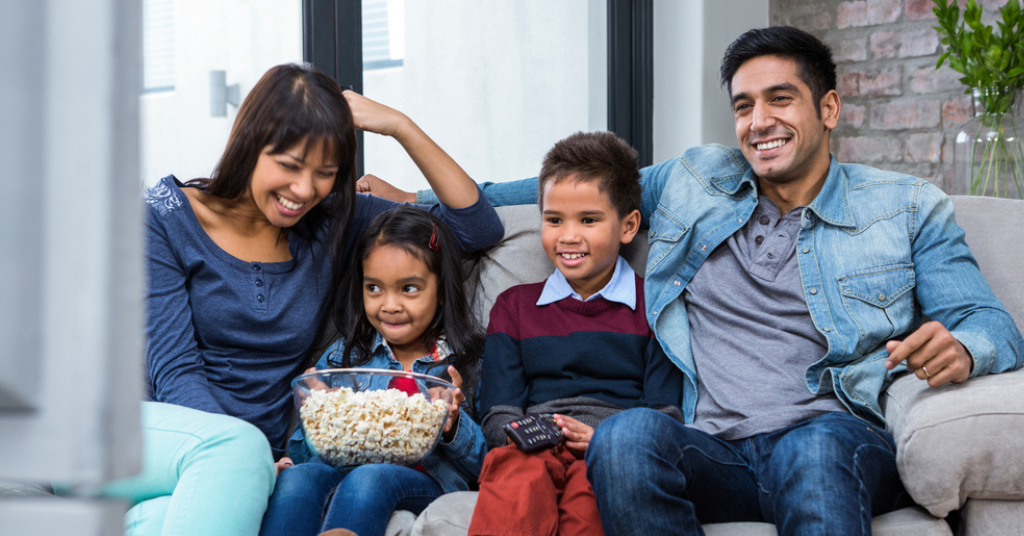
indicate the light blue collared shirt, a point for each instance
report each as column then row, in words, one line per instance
column 621, row 288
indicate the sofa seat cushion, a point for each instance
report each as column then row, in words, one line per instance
column 959, row 441
column 450, row 515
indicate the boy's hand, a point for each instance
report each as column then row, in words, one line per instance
column 577, row 434
column 453, row 410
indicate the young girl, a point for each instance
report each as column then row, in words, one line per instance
column 406, row 310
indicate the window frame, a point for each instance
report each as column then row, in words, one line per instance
column 333, row 42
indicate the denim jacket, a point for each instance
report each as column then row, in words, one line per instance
column 453, row 464
column 878, row 252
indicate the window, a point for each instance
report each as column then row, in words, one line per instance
column 158, row 45
column 383, row 33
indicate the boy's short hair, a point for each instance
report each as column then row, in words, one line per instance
column 595, row 156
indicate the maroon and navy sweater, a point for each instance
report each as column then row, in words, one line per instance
column 585, row 359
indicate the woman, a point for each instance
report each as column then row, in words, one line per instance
column 240, row 270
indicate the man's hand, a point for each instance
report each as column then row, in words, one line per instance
column 932, row 354
column 577, row 435
column 377, row 187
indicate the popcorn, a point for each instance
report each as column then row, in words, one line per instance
column 348, row 427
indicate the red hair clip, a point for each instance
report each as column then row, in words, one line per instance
column 434, row 243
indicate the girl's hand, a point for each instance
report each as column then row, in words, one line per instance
column 283, row 464
column 577, row 434
column 453, row 410
column 314, row 384
column 373, row 116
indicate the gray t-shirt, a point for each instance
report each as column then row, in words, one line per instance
column 751, row 331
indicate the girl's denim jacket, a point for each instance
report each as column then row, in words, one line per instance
column 878, row 252
column 455, row 464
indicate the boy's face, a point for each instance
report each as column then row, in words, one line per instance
column 582, row 232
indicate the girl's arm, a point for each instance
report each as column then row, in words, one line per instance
column 450, row 183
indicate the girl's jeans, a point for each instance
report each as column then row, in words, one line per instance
column 362, row 500
column 827, row 475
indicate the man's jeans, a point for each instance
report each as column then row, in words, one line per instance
column 826, row 475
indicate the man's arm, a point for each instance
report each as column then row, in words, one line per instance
column 971, row 334
column 521, row 192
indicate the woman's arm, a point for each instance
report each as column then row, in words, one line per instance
column 450, row 183
column 173, row 359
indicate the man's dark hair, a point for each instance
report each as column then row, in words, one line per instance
column 596, row 156
column 817, row 69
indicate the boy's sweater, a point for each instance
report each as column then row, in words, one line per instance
column 584, row 359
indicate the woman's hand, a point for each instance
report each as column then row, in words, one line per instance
column 373, row 116
column 577, row 434
column 450, row 182
column 453, row 410
column 283, row 464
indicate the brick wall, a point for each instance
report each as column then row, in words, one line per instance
column 899, row 113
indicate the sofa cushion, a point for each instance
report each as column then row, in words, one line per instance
column 451, row 513
column 959, row 441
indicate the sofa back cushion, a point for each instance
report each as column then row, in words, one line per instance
column 995, row 234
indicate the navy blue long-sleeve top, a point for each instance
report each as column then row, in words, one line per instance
column 228, row 335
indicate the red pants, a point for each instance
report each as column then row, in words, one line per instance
column 543, row 493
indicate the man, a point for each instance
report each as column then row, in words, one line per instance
column 789, row 288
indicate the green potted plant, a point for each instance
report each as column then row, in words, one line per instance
column 988, row 154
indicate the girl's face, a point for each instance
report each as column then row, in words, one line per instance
column 400, row 299
column 287, row 185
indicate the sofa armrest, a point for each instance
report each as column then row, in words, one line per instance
column 959, row 441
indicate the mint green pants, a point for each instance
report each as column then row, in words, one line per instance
column 203, row 474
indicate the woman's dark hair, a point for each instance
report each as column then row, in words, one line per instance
column 413, row 229
column 292, row 104
column 817, row 68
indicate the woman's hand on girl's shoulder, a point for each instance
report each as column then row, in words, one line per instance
column 373, row 116
column 453, row 409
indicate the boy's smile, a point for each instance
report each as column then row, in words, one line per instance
column 582, row 232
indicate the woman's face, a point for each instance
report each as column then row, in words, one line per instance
column 287, row 185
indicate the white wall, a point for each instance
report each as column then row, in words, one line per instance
column 690, row 107
column 242, row 37
column 496, row 84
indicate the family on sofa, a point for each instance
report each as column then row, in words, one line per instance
column 738, row 380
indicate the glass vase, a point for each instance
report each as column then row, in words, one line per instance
column 988, row 154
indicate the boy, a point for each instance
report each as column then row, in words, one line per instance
column 576, row 345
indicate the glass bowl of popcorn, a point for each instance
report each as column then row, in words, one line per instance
column 357, row 416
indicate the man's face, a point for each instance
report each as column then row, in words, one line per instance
column 777, row 122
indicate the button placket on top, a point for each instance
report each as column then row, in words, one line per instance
column 258, row 279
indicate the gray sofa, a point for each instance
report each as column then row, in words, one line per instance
column 959, row 447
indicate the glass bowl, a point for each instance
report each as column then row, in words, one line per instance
column 360, row 415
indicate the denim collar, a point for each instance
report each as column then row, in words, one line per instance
column 620, row 289
column 830, row 205
column 442, row 350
